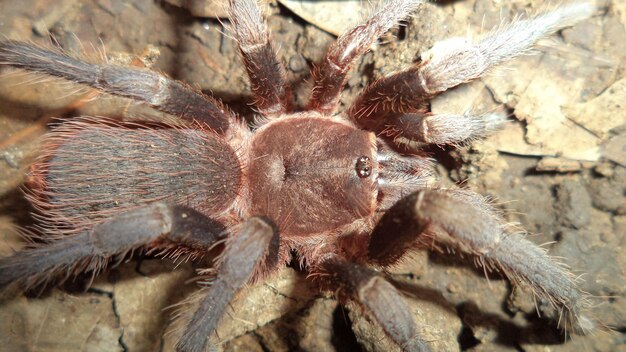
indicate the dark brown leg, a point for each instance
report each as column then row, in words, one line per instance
column 267, row 78
column 243, row 253
column 156, row 225
column 330, row 75
column 464, row 220
column 452, row 62
column 379, row 298
column 143, row 85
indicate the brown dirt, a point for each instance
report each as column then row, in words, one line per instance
column 576, row 204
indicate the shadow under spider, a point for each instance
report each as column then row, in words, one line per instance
column 473, row 319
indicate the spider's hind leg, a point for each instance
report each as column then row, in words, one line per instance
column 157, row 90
column 157, row 225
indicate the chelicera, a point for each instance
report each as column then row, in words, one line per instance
column 331, row 191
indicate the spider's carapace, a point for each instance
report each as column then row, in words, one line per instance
column 306, row 179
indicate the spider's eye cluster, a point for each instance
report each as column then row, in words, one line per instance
column 363, row 166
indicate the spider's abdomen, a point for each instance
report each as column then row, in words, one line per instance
column 312, row 175
column 94, row 170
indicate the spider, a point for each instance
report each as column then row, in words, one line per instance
column 335, row 192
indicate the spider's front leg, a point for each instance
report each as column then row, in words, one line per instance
column 464, row 220
column 398, row 104
column 330, row 75
column 379, row 298
column 256, row 241
column 157, row 225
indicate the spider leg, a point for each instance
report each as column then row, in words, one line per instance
column 242, row 255
column 162, row 93
column 330, row 75
column 442, row 129
column 379, row 298
column 451, row 62
column 266, row 73
column 464, row 220
column 155, row 225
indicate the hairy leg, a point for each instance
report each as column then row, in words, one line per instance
column 443, row 129
column 330, row 75
column 243, row 253
column 266, row 73
column 157, row 225
column 452, row 62
column 379, row 298
column 464, row 220
column 162, row 93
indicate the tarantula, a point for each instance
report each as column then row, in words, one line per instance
column 332, row 191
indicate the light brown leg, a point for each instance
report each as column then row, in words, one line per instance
column 272, row 97
column 330, row 75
